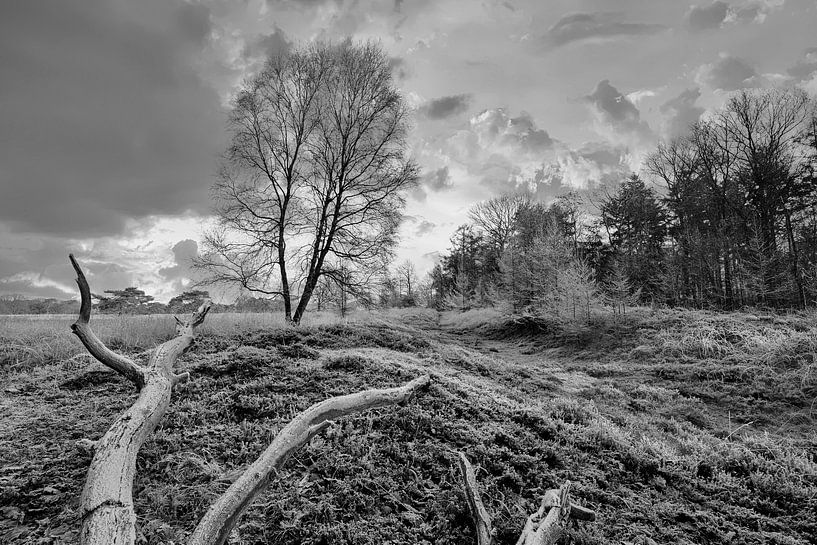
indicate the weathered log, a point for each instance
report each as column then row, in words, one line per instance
column 106, row 504
column 217, row 523
column 544, row 527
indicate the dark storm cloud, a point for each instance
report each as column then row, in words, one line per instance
column 706, row 17
column 616, row 111
column 37, row 265
column 103, row 115
column 443, row 107
column 727, row 74
column 586, row 26
column 681, row 112
column 437, row 180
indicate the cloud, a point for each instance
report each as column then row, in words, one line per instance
column 492, row 152
column 700, row 18
column 810, row 86
column 752, row 12
column 595, row 26
column 681, row 112
column 617, row 118
column 594, row 164
column 503, row 153
column 437, row 180
column 637, row 96
column 805, row 66
column 149, row 256
column 728, row 73
column 104, row 116
column 497, row 130
column 266, row 46
column 424, row 228
column 444, row 107
column 719, row 14
column 181, row 273
column 399, row 68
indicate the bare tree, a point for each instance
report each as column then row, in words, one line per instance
column 408, row 278
column 767, row 130
column 312, row 182
column 262, row 173
column 496, row 216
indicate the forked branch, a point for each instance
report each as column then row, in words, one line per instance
column 216, row 525
column 106, row 505
column 82, row 329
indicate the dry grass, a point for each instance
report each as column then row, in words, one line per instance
column 35, row 340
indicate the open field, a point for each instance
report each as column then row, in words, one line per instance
column 675, row 426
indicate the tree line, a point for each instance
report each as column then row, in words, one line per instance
column 729, row 222
column 133, row 300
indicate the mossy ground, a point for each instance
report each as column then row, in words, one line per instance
column 629, row 428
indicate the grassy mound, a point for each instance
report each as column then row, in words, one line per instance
column 390, row 475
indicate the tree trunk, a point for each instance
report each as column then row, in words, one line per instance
column 284, row 278
column 794, row 260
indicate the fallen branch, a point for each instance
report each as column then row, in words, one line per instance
column 216, row 525
column 482, row 521
column 544, row 527
column 106, row 504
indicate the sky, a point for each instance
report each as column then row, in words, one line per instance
column 113, row 112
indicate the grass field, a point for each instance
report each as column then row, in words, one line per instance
column 675, row 426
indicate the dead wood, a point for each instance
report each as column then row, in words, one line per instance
column 544, row 527
column 482, row 521
column 216, row 525
column 106, row 504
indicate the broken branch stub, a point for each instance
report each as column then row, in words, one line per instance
column 106, row 504
column 217, row 523
column 544, row 527
column 482, row 521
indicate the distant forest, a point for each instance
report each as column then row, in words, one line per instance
column 729, row 222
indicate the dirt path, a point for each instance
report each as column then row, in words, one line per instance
column 511, row 368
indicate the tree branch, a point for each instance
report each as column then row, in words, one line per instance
column 216, row 525
column 82, row 329
column 106, row 504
